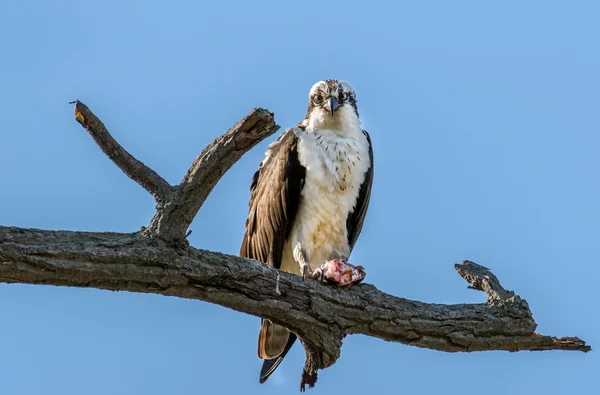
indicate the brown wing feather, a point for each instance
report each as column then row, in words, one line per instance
column 274, row 200
column 354, row 223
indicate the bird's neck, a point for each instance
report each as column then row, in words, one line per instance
column 341, row 124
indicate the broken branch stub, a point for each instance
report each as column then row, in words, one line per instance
column 482, row 279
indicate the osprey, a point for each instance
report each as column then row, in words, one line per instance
column 308, row 201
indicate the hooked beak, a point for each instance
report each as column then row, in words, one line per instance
column 332, row 104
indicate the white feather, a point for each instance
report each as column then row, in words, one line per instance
column 336, row 161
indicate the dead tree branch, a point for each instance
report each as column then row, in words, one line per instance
column 177, row 206
column 320, row 315
column 172, row 219
column 136, row 170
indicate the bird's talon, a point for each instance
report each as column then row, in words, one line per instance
column 304, row 271
column 318, row 275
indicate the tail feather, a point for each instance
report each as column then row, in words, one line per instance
column 269, row 365
column 271, row 340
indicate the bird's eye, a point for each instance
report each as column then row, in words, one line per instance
column 318, row 99
column 343, row 96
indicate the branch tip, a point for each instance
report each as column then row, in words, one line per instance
column 133, row 168
column 311, row 367
column 482, row 279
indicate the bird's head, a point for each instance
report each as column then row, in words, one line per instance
column 332, row 105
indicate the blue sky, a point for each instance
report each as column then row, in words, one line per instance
column 484, row 121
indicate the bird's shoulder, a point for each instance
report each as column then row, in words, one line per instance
column 286, row 142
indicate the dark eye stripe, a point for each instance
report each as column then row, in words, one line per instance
column 330, row 86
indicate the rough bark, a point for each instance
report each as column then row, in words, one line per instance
column 136, row 170
column 155, row 261
column 177, row 206
column 319, row 314
column 173, row 218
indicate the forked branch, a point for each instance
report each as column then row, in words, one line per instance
column 172, row 219
column 177, row 206
column 320, row 315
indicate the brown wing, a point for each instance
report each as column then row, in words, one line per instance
column 274, row 201
column 354, row 223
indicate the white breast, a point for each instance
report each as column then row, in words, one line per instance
column 335, row 169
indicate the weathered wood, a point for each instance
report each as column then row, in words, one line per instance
column 319, row 314
column 173, row 218
column 136, row 170
column 177, row 206
column 482, row 279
